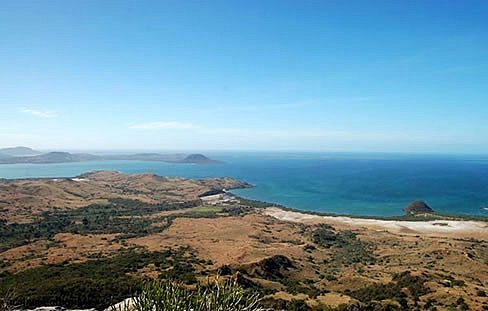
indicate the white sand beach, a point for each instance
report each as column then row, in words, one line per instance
column 457, row 228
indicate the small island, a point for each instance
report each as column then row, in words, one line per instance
column 198, row 158
column 417, row 208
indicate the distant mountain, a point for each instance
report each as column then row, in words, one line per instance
column 51, row 157
column 171, row 158
column 66, row 157
column 18, row 152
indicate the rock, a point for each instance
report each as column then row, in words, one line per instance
column 128, row 304
column 418, row 208
column 57, row 308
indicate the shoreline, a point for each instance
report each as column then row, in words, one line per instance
column 436, row 216
column 441, row 227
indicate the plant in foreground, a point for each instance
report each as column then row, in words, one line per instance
column 6, row 301
column 167, row 295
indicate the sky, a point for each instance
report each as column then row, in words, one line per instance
column 394, row 76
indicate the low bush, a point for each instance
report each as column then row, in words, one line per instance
column 168, row 295
column 94, row 283
column 348, row 248
column 393, row 290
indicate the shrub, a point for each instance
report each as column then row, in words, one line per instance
column 168, row 295
column 6, row 302
column 94, row 283
column 393, row 290
column 348, row 248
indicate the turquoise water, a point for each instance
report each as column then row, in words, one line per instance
column 358, row 184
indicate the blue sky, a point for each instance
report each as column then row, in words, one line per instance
column 402, row 76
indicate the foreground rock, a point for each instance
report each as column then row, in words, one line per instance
column 55, row 309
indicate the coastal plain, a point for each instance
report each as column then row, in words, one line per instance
column 101, row 233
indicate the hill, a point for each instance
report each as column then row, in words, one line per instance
column 197, row 159
column 18, row 152
column 50, row 157
column 418, row 208
column 87, row 241
column 11, row 156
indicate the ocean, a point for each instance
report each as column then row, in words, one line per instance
column 341, row 183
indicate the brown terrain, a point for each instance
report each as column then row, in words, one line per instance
column 294, row 260
column 23, row 200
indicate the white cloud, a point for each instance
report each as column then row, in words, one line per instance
column 38, row 113
column 169, row 125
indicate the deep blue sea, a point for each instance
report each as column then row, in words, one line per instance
column 342, row 183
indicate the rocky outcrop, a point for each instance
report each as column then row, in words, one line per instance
column 418, row 208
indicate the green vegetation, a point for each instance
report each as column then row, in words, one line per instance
column 293, row 305
column 394, row 290
column 168, row 296
column 212, row 192
column 203, row 212
column 450, row 281
column 257, row 204
column 6, row 301
column 120, row 216
column 295, row 287
column 459, row 305
column 98, row 282
column 348, row 248
column 207, row 209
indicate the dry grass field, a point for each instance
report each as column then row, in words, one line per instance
column 135, row 226
column 23, row 201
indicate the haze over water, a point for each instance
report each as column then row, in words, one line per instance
column 341, row 183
